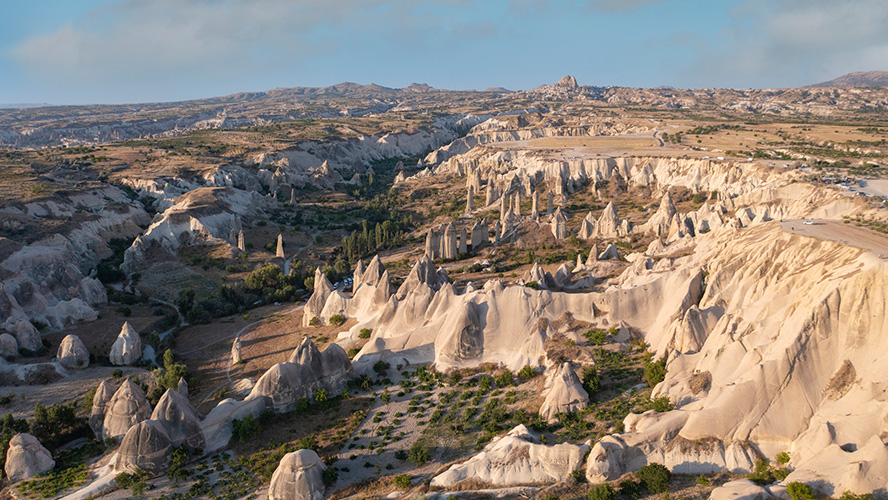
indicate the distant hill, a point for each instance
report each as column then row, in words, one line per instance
column 858, row 79
column 23, row 105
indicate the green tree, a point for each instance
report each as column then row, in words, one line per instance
column 655, row 372
column 591, row 382
column 419, row 454
column 799, row 491
column 655, row 477
column 602, row 491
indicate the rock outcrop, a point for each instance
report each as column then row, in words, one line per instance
column 126, row 408
column 299, row 476
column 308, row 370
column 179, row 420
column 514, row 459
column 315, row 304
column 26, row 458
column 72, row 353
column 8, row 346
column 127, row 349
column 101, row 398
column 27, row 336
column 559, row 225
column 564, row 395
column 236, row 351
column 145, row 446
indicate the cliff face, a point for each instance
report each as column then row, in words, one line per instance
column 49, row 279
column 204, row 214
column 791, row 343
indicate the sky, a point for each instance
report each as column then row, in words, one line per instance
column 121, row 51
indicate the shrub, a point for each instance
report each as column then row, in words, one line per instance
column 485, row 383
column 419, row 454
column 364, row 333
column 381, row 368
column 596, row 336
column 527, row 372
column 316, row 321
column 402, row 481
column 702, row 480
column 320, row 395
column 309, row 442
column 353, row 352
column 655, row 372
column 800, row 491
column 591, row 382
column 330, row 476
column 662, row 404
column 54, row 424
column 655, row 477
column 783, row 458
column 602, row 491
column 630, row 489
column 505, row 379
column 245, row 428
column 135, row 482
column 336, row 320
column 851, row 496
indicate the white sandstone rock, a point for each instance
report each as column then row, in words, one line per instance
column 26, row 457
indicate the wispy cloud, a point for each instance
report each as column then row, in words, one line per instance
column 158, row 39
column 795, row 42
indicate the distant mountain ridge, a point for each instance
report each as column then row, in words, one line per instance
column 857, row 79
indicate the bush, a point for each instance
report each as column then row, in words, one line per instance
column 596, row 336
column 336, row 320
column 381, row 368
column 602, row 491
column 655, row 477
column 630, row 489
column 783, row 458
column 800, row 491
column 655, row 372
column 419, row 454
column 320, row 395
column 353, row 352
column 591, row 382
column 662, row 404
column 330, row 476
column 56, row 424
column 364, row 333
column 402, row 481
column 851, row 496
column 245, row 428
column 135, row 482
column 316, row 321
column 527, row 372
column 702, row 480
column 505, row 379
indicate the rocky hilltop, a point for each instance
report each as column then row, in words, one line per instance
column 857, row 79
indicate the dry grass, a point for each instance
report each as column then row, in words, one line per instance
column 621, row 142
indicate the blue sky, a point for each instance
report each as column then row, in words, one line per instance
column 113, row 51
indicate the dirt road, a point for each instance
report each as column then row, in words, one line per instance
column 834, row 230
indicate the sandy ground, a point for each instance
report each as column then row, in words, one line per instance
column 67, row 389
column 878, row 187
column 838, row 231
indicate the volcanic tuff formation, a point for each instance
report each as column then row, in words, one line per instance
column 299, row 476
column 516, row 458
column 26, row 457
